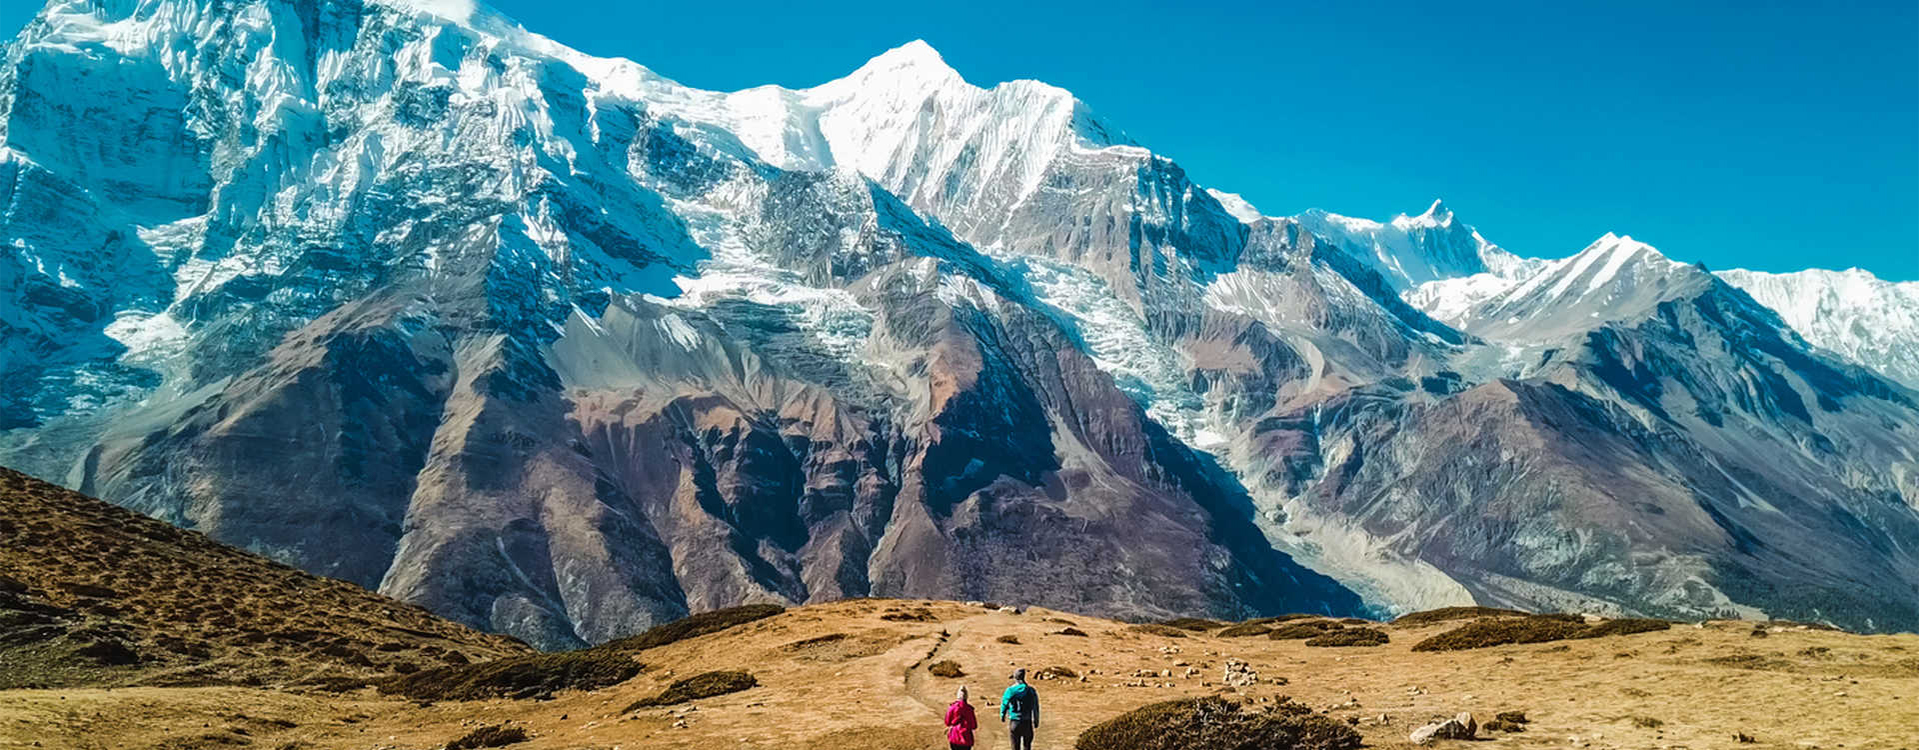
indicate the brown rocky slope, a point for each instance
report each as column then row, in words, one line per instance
column 93, row 594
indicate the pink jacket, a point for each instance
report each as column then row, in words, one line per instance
column 960, row 724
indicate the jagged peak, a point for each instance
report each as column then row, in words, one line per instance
column 1436, row 215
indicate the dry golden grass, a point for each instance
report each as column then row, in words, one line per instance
column 1701, row 684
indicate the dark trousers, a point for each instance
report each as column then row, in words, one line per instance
column 958, row 746
column 1020, row 732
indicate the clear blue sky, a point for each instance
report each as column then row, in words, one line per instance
column 1754, row 135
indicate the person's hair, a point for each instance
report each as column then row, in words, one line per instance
column 961, row 694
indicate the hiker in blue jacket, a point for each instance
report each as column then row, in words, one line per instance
column 1020, row 709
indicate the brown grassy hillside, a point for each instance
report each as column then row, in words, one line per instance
column 92, row 594
column 856, row 674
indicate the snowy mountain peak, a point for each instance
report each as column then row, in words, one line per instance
column 1437, row 215
column 1413, row 250
column 915, row 65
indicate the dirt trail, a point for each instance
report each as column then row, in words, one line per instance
column 922, row 687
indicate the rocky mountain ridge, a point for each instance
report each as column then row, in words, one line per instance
column 558, row 347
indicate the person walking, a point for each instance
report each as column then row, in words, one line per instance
column 1020, row 709
column 960, row 722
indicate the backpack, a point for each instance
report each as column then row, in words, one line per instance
column 1020, row 703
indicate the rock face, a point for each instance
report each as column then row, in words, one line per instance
column 560, row 348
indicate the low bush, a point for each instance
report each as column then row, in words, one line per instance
column 693, row 626
column 1445, row 614
column 498, row 735
column 1302, row 630
column 696, row 687
column 1625, row 626
column 1515, row 717
column 917, row 614
column 1244, row 630
column 530, row 676
column 1349, row 637
column 1648, row 722
column 1192, row 623
column 1285, row 618
column 1502, row 725
column 1012, row 640
column 1164, row 631
column 806, row 643
column 1214, row 722
column 1500, row 631
column 946, row 668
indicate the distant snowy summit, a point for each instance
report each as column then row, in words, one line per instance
column 1454, row 274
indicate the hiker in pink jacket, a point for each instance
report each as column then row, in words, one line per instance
column 960, row 722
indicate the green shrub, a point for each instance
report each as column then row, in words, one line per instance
column 1445, row 614
column 694, row 626
column 696, row 687
column 948, row 668
column 1212, row 722
column 1244, row 630
column 1349, row 637
column 530, row 676
column 498, row 735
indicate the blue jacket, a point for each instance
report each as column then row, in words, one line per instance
column 1020, row 703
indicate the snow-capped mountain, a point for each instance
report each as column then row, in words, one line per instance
column 1415, row 250
column 405, row 294
column 1852, row 313
column 1615, row 278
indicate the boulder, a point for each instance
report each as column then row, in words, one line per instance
column 1461, row 727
